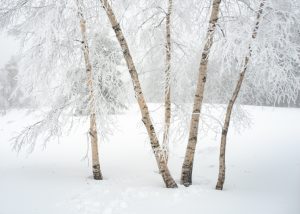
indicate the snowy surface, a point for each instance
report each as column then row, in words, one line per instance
column 263, row 171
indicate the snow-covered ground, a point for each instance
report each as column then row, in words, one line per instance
column 263, row 171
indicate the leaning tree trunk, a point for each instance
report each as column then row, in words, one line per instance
column 221, row 177
column 187, row 168
column 165, row 143
column 89, row 72
column 162, row 164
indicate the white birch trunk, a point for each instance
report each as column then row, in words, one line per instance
column 187, row 168
column 162, row 165
column 89, row 72
column 221, row 177
column 165, row 143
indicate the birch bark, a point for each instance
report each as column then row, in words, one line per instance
column 221, row 176
column 187, row 168
column 89, row 72
column 162, row 164
column 165, row 143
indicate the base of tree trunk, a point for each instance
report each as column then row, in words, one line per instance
column 172, row 185
column 219, row 186
column 186, row 177
column 169, row 181
column 221, row 181
column 97, row 172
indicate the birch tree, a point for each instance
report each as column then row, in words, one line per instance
column 221, row 177
column 56, row 58
column 89, row 72
column 187, row 167
column 165, row 143
column 161, row 162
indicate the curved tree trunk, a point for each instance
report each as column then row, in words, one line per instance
column 162, row 164
column 165, row 143
column 187, row 168
column 89, row 72
column 221, row 177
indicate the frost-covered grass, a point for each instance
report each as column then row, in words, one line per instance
column 263, row 171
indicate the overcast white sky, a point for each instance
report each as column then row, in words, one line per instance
column 8, row 47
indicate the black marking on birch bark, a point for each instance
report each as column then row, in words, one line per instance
column 125, row 52
column 197, row 111
column 224, row 131
column 213, row 23
column 91, row 133
column 193, row 139
column 222, row 155
column 96, row 167
column 116, row 27
column 151, row 127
